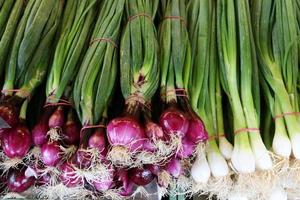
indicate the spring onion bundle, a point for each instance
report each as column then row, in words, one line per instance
column 10, row 13
column 92, row 93
column 139, row 80
column 57, row 133
column 25, row 70
column 206, row 95
column 179, row 122
column 278, row 56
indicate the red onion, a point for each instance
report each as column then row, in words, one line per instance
column 16, row 142
column 51, row 153
column 71, row 131
column 44, row 179
column 68, row 176
column 39, row 133
column 18, row 182
column 174, row 167
column 125, row 184
column 196, row 131
column 174, row 121
column 9, row 114
column 154, row 131
column 187, row 149
column 155, row 169
column 125, row 131
column 141, row 176
column 82, row 159
column 57, row 119
column 97, row 140
column 105, row 183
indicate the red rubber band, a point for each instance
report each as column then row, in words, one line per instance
column 246, row 129
column 285, row 114
column 139, row 15
column 176, row 18
column 213, row 137
column 104, row 39
column 91, row 127
column 61, row 102
column 179, row 92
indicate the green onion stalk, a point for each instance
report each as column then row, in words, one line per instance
column 181, row 125
column 239, row 77
column 205, row 96
column 93, row 91
column 28, row 58
column 10, row 13
column 63, row 133
column 139, row 78
column 276, row 31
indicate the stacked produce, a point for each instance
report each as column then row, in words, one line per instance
column 26, row 67
column 192, row 97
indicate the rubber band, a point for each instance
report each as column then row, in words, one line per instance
column 104, row 39
column 139, row 99
column 61, row 102
column 176, row 18
column 214, row 137
column 15, row 90
column 285, row 114
column 139, row 15
column 179, row 92
column 246, row 129
column 91, row 127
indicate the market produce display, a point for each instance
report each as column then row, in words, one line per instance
column 105, row 99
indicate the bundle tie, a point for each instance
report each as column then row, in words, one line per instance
column 139, row 99
column 16, row 90
column 179, row 92
column 214, row 137
column 60, row 102
column 91, row 127
column 176, row 18
column 246, row 129
column 109, row 40
column 139, row 15
column 285, row 114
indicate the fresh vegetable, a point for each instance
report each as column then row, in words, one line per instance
column 139, row 76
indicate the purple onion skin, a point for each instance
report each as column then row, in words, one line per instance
column 57, row 119
column 154, row 131
column 173, row 121
column 71, row 133
column 39, row 133
column 155, row 169
column 16, row 142
column 50, row 153
column 125, row 131
column 44, row 180
column 67, row 176
column 106, row 184
column 196, row 131
column 141, row 176
column 97, row 140
column 125, row 184
column 18, row 182
column 82, row 159
column 148, row 146
column 9, row 114
column 174, row 167
column 188, row 148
